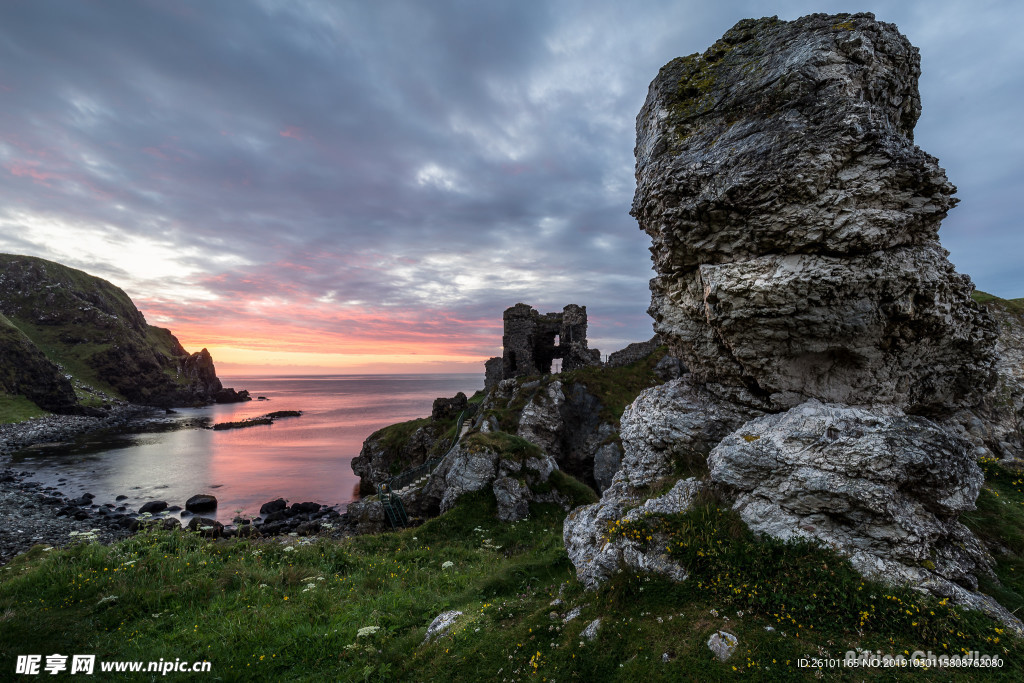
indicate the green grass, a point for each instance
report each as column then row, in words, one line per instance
column 616, row 388
column 394, row 437
column 260, row 612
column 509, row 446
column 74, row 358
column 1012, row 305
column 999, row 521
column 18, row 408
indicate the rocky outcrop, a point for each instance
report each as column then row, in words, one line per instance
column 883, row 488
column 94, row 330
column 447, row 408
column 835, row 357
column 995, row 427
column 540, row 421
column 385, row 454
column 794, row 221
column 666, row 430
column 393, row 449
column 514, row 470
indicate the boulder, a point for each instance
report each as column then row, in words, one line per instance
column 153, row 507
column 882, row 487
column 513, row 499
column 273, row 506
column 590, row 632
column 303, row 508
column 667, row 427
column 441, row 625
column 229, row 395
column 206, row 526
column 723, row 644
column 445, row 408
column 202, row 502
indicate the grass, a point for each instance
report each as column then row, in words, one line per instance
column 270, row 611
column 18, row 408
column 999, row 521
column 616, row 388
column 1012, row 305
column 73, row 358
column 509, row 446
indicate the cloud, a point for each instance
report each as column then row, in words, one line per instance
column 371, row 173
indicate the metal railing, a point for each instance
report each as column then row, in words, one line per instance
column 403, row 479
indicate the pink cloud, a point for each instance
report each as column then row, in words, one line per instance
column 293, row 132
column 29, row 169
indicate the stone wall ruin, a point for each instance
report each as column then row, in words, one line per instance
column 532, row 341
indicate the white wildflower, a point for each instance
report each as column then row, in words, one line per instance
column 448, row 565
column 367, row 631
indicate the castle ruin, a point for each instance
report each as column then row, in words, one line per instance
column 532, row 341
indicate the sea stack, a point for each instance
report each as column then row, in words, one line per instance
column 801, row 280
column 795, row 223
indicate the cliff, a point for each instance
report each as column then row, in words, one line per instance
column 73, row 342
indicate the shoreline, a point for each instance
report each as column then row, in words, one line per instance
column 32, row 513
column 16, row 436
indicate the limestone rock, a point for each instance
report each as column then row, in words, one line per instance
column 882, row 487
column 666, row 426
column 669, row 368
column 513, row 499
column 607, row 460
column 590, row 632
column 723, row 644
column 465, row 471
column 441, row 625
column 540, row 422
column 794, row 221
column 469, row 467
column 996, row 426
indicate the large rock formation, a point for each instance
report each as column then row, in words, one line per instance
column 665, row 430
column 794, row 221
column 799, row 273
column 884, row 487
column 99, row 338
column 996, row 427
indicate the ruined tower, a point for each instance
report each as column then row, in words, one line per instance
column 532, row 341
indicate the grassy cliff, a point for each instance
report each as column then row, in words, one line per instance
column 68, row 324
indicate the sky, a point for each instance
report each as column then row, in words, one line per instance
column 341, row 186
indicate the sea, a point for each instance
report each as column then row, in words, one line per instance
column 300, row 459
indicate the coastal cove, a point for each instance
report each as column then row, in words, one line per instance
column 307, row 458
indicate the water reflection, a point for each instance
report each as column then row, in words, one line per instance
column 301, row 459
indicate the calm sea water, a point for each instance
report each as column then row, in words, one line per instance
column 300, row 459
